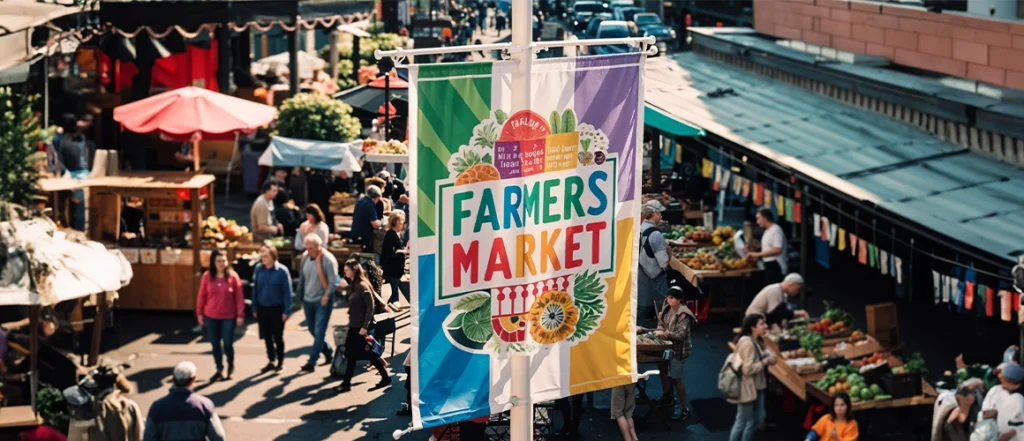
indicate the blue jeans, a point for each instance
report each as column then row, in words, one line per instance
column 221, row 331
column 748, row 417
column 396, row 285
column 317, row 319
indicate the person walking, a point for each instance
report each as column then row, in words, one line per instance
column 392, row 256
column 220, row 307
column 271, row 304
column 676, row 325
column 753, row 364
column 622, row 407
column 652, row 280
column 183, row 414
column 362, row 303
column 773, row 248
column 315, row 224
column 318, row 278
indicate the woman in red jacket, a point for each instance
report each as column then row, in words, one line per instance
column 220, row 308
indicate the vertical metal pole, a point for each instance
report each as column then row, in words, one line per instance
column 387, row 105
column 332, row 58
column 97, row 328
column 293, row 59
column 34, row 314
column 804, row 248
column 521, row 424
column 46, row 91
column 223, row 58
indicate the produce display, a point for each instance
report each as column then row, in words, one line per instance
column 392, row 147
column 915, row 365
column 857, row 336
column 826, row 327
column 848, row 379
column 224, row 231
column 702, row 260
column 805, row 365
column 873, row 361
column 836, row 314
column 722, row 235
column 688, row 233
column 279, row 242
column 842, row 346
column 665, row 198
column 650, row 339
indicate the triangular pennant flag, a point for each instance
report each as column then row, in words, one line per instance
column 746, row 188
column 842, row 239
column 898, row 262
column 863, row 252
column 979, row 300
column 1006, row 305
column 718, row 177
column 708, row 167
column 853, row 244
column 990, row 301
column 969, row 296
column 767, row 198
column 824, row 229
column 758, row 194
column 958, row 296
column 872, row 255
column 737, row 184
column 726, row 178
column 780, row 203
column 789, row 210
column 797, row 213
column 833, row 231
column 817, row 225
column 884, row 257
column 945, row 288
column 936, row 286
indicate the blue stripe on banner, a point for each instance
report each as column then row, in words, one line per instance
column 454, row 385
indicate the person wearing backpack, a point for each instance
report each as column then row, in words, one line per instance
column 651, row 280
column 749, row 362
column 675, row 324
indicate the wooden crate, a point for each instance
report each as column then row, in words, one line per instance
column 883, row 324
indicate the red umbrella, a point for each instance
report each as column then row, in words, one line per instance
column 191, row 113
column 395, row 83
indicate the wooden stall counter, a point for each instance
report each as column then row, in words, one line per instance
column 19, row 416
column 927, row 398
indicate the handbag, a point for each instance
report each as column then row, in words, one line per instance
column 373, row 346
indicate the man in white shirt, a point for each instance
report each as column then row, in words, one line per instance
column 652, row 281
column 1006, row 399
column 773, row 248
column 771, row 303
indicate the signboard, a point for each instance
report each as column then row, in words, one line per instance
column 524, row 231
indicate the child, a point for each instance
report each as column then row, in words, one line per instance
column 838, row 425
column 623, row 404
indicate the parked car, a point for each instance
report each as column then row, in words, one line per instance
column 613, row 29
column 591, row 31
column 584, row 10
column 650, row 24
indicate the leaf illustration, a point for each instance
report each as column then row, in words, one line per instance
column 477, row 325
column 584, row 327
column 588, row 290
column 487, row 136
column 585, row 143
column 568, row 121
column 501, row 116
column 472, row 302
column 488, row 159
column 553, row 122
column 461, row 163
column 456, row 322
column 587, row 287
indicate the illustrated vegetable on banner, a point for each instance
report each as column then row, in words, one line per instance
column 524, row 240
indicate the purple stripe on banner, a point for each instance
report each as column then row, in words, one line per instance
column 606, row 97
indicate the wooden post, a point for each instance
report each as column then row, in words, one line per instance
column 195, row 154
column 804, row 248
column 197, row 244
column 33, row 347
column 293, row 59
column 97, row 328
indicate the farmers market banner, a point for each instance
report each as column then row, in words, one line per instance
column 524, row 231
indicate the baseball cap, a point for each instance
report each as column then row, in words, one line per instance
column 1013, row 372
column 184, row 372
column 384, row 174
column 655, row 204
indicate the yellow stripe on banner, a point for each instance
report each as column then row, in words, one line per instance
column 589, row 369
column 428, row 137
column 425, row 208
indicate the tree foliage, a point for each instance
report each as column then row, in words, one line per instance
column 20, row 135
column 317, row 117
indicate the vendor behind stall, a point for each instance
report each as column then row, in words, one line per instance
column 652, row 280
column 261, row 215
column 773, row 248
column 1007, row 401
column 772, row 302
column 132, row 217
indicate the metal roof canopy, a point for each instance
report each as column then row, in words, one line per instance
column 866, row 157
column 18, row 18
column 130, row 14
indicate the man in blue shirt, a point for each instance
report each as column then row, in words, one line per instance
column 272, row 304
column 364, row 218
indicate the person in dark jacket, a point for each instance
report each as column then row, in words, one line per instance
column 361, row 305
column 183, row 414
column 272, row 304
column 392, row 255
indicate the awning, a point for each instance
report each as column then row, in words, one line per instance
column 321, row 155
column 131, row 14
column 17, row 20
column 658, row 119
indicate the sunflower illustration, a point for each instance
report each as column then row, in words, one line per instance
column 553, row 317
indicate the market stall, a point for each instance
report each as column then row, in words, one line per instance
column 45, row 266
column 166, row 257
column 712, row 261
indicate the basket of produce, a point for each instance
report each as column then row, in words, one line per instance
column 804, row 366
column 649, row 339
column 846, row 379
column 905, row 381
column 702, row 261
column 788, row 342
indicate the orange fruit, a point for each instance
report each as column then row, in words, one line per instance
column 478, row 173
column 523, row 125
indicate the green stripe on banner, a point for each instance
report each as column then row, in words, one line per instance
column 452, row 99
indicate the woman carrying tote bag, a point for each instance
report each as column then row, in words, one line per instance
column 752, row 366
